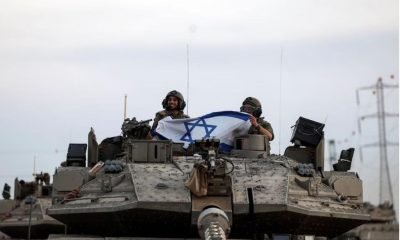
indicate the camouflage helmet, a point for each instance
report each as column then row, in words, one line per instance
column 174, row 93
column 254, row 104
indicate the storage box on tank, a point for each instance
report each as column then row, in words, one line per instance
column 307, row 132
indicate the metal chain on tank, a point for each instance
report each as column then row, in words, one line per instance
column 214, row 232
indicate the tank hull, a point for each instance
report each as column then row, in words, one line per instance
column 38, row 229
column 132, row 222
column 167, row 224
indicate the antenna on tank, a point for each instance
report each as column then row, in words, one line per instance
column 280, row 101
column 126, row 97
column 34, row 165
column 187, row 82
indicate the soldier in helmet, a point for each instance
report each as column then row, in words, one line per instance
column 173, row 105
column 252, row 106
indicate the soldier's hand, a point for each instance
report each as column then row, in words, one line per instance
column 253, row 121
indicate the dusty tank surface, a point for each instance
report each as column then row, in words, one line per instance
column 383, row 225
column 139, row 188
column 24, row 217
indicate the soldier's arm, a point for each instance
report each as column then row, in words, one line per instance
column 265, row 128
column 264, row 131
column 153, row 127
column 262, row 127
column 155, row 122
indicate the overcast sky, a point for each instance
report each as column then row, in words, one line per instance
column 65, row 66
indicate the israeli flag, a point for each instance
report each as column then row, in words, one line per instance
column 223, row 125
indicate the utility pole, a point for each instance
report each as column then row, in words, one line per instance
column 378, row 89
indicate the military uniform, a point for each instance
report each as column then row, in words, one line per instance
column 174, row 114
column 264, row 124
column 253, row 106
column 165, row 113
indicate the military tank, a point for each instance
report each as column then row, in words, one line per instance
column 24, row 217
column 383, row 224
column 134, row 187
column 6, row 205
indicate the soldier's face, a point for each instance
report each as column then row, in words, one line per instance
column 173, row 102
column 247, row 109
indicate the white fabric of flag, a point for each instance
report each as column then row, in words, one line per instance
column 224, row 125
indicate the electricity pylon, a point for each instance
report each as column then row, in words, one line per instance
column 384, row 172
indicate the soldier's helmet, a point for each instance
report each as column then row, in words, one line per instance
column 174, row 93
column 252, row 105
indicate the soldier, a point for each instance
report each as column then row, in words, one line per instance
column 173, row 105
column 252, row 106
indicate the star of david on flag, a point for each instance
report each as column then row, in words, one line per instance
column 224, row 125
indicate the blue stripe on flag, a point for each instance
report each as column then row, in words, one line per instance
column 239, row 115
column 161, row 137
column 225, row 148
